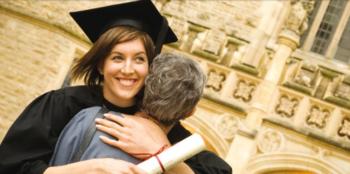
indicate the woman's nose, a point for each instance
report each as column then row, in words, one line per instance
column 128, row 67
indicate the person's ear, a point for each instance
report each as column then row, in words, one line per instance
column 191, row 113
column 100, row 68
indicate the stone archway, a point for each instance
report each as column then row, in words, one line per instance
column 289, row 172
column 215, row 142
column 288, row 163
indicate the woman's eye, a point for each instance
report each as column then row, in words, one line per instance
column 117, row 58
column 140, row 59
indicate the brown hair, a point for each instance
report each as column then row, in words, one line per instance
column 88, row 66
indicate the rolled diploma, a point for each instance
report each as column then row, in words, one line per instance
column 175, row 154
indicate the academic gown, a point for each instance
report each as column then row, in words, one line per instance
column 30, row 141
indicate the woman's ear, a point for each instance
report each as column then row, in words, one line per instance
column 100, row 68
column 100, row 71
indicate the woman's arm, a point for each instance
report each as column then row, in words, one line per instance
column 28, row 145
column 30, row 142
column 135, row 138
column 96, row 166
column 139, row 137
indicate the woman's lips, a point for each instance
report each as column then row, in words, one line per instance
column 127, row 82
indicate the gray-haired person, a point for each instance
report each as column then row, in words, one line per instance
column 172, row 90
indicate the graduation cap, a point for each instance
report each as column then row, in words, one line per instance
column 141, row 14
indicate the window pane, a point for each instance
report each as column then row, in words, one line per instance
column 343, row 51
column 328, row 26
column 311, row 18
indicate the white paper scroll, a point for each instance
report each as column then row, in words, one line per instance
column 175, row 154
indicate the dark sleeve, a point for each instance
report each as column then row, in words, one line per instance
column 29, row 143
column 203, row 163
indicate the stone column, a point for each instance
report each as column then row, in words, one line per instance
column 242, row 148
column 262, row 33
column 287, row 41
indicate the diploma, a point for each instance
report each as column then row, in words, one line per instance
column 173, row 155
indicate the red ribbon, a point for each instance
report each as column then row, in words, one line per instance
column 149, row 155
column 160, row 163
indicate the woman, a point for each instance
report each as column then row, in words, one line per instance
column 166, row 101
column 114, row 70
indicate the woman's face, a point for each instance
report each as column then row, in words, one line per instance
column 124, row 72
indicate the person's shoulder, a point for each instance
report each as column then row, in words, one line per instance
column 87, row 113
column 85, row 95
column 71, row 90
column 92, row 109
column 82, row 91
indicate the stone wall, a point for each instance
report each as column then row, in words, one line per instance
column 34, row 59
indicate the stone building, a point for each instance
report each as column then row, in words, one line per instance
column 277, row 100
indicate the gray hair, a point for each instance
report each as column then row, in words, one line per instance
column 172, row 88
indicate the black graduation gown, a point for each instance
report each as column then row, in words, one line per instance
column 30, row 141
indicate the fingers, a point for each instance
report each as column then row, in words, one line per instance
column 114, row 132
column 109, row 124
column 117, row 119
column 111, row 142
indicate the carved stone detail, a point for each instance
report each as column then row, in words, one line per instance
column 343, row 91
column 306, row 75
column 287, row 106
column 180, row 27
column 296, row 23
column 297, row 19
column 213, row 41
column 270, row 141
column 240, row 22
column 308, row 5
column 244, row 90
column 189, row 39
column 344, row 129
column 227, row 125
column 215, row 80
column 318, row 117
column 229, row 51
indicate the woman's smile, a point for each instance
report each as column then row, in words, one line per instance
column 124, row 72
column 127, row 82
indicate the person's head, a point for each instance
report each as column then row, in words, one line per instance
column 138, row 25
column 173, row 88
column 115, row 61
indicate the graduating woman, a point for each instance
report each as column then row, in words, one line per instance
column 126, row 38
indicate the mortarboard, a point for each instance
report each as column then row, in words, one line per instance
column 141, row 14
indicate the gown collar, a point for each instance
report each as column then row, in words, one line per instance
column 111, row 107
column 126, row 110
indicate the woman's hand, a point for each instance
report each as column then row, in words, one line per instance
column 97, row 166
column 135, row 135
